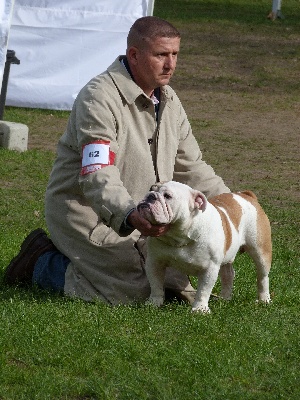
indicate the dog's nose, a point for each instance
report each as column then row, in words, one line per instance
column 151, row 197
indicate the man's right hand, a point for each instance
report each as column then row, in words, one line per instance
column 144, row 226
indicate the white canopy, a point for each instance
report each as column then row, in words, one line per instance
column 6, row 8
column 62, row 44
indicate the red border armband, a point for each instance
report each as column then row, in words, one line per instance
column 96, row 155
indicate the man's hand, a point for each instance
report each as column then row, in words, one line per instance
column 144, row 226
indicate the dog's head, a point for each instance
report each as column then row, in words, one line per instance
column 171, row 201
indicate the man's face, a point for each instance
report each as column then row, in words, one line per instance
column 154, row 65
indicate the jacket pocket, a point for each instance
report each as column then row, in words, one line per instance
column 99, row 234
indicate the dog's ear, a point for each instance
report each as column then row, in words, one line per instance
column 200, row 201
column 156, row 186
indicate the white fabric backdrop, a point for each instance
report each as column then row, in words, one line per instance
column 62, row 44
column 6, row 7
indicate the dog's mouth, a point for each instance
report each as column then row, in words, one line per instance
column 145, row 211
column 142, row 206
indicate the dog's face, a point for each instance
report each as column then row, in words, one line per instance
column 169, row 202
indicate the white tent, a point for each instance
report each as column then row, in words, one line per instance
column 62, row 44
column 6, row 8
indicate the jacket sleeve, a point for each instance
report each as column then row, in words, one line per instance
column 95, row 120
column 189, row 166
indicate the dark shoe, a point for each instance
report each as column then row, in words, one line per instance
column 20, row 269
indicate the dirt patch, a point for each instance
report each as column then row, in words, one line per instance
column 45, row 132
column 240, row 89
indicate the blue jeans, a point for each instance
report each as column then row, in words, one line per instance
column 49, row 271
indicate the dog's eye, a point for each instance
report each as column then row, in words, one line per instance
column 167, row 196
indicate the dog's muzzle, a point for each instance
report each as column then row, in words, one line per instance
column 149, row 199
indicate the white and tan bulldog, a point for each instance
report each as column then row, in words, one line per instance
column 204, row 238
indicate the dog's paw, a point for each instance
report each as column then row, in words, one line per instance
column 226, row 296
column 155, row 301
column 266, row 300
column 264, row 297
column 201, row 309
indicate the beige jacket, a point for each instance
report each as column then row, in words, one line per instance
column 84, row 213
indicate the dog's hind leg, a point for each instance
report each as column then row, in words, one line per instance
column 260, row 251
column 226, row 277
column 263, row 264
column 262, row 257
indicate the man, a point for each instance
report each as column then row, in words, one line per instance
column 127, row 130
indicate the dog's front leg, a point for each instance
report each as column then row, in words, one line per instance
column 206, row 281
column 156, row 276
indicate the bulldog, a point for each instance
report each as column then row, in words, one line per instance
column 204, row 238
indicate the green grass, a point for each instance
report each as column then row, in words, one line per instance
column 226, row 13
column 52, row 347
column 27, row 117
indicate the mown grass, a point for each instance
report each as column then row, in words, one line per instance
column 229, row 12
column 52, row 347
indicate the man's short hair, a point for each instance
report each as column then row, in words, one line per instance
column 148, row 28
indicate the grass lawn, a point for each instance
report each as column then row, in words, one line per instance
column 238, row 78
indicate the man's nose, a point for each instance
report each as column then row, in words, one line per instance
column 170, row 61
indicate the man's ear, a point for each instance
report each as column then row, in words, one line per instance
column 200, row 200
column 132, row 55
